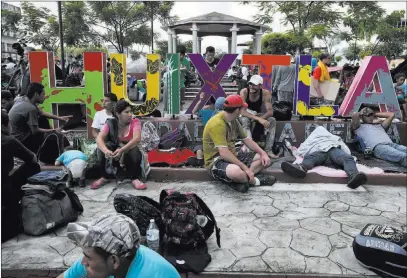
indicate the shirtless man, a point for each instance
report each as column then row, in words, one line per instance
column 259, row 113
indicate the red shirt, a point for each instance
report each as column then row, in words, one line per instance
column 317, row 73
column 135, row 125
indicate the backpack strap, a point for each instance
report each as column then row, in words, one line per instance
column 164, row 194
column 209, row 212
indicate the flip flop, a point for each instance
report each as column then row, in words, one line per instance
column 139, row 185
column 99, row 183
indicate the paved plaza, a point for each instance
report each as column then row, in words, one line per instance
column 287, row 228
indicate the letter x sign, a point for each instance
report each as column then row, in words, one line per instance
column 211, row 78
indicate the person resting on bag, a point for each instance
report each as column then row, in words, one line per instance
column 75, row 164
column 120, row 136
column 111, row 248
column 224, row 163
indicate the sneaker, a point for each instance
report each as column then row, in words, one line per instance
column 195, row 162
column 240, row 187
column 357, row 180
column 266, row 180
column 293, row 170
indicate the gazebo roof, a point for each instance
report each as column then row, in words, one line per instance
column 216, row 24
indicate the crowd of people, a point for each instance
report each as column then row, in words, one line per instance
column 237, row 145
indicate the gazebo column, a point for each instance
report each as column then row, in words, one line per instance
column 174, row 42
column 229, row 45
column 194, row 30
column 258, row 41
column 234, row 38
column 169, row 32
column 254, row 46
column 200, row 45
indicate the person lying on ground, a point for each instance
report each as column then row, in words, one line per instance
column 374, row 135
column 26, row 126
column 401, row 92
column 126, row 130
column 238, row 169
column 11, row 192
column 111, row 248
column 326, row 149
column 99, row 120
column 258, row 101
column 74, row 162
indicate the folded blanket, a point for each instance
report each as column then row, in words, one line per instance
column 335, row 173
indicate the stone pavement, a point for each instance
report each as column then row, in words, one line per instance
column 286, row 229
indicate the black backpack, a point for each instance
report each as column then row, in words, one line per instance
column 141, row 209
column 382, row 249
column 282, row 111
column 179, row 213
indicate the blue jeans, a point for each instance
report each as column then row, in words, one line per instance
column 391, row 152
column 334, row 157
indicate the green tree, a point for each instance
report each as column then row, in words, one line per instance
column 326, row 34
column 123, row 23
column 10, row 21
column 338, row 58
column 281, row 44
column 158, row 10
column 352, row 52
column 363, row 19
column 76, row 30
column 316, row 54
column 39, row 26
column 300, row 15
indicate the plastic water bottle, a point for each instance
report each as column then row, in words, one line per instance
column 153, row 236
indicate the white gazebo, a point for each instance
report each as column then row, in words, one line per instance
column 215, row 24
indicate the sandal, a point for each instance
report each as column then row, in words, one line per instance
column 99, row 183
column 139, row 185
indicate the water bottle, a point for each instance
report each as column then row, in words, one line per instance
column 202, row 220
column 153, row 236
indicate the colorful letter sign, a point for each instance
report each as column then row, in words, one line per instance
column 211, row 78
column 266, row 63
column 172, row 84
column 358, row 92
column 42, row 70
column 118, row 75
column 302, row 91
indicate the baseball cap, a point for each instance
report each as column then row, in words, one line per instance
column 234, row 101
column 219, row 103
column 366, row 111
column 115, row 233
column 256, row 79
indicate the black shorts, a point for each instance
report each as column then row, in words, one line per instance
column 218, row 170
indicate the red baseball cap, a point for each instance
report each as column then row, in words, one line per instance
column 234, row 101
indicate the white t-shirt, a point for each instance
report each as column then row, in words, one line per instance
column 245, row 73
column 100, row 119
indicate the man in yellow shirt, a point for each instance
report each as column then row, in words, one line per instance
column 224, row 163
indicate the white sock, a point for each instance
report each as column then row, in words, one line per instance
column 256, row 181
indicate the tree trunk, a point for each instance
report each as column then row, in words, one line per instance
column 152, row 29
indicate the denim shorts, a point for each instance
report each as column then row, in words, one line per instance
column 218, row 170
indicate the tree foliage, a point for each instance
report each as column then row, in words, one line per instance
column 338, row 58
column 39, row 26
column 281, row 44
column 76, row 30
column 327, row 34
column 299, row 15
column 10, row 21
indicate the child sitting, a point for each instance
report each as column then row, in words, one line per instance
column 75, row 164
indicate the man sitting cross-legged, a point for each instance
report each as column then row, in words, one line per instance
column 324, row 148
column 259, row 112
column 224, row 163
column 375, row 137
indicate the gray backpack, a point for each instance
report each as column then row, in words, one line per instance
column 42, row 211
